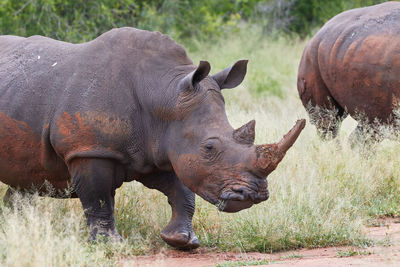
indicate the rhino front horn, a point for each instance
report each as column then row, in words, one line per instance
column 269, row 155
column 246, row 134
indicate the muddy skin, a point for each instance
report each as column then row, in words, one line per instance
column 129, row 105
column 351, row 66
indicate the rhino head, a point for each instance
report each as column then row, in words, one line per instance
column 217, row 162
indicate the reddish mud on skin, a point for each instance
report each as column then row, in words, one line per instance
column 129, row 105
column 352, row 66
column 21, row 146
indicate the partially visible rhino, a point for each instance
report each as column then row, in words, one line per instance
column 352, row 66
column 129, row 105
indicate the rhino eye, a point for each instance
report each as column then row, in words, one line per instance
column 209, row 146
column 211, row 150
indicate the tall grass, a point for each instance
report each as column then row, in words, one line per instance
column 320, row 195
column 272, row 62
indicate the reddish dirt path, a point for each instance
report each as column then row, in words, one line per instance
column 382, row 255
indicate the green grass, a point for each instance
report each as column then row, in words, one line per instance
column 272, row 64
column 351, row 253
column 320, row 195
column 293, row 256
column 243, row 263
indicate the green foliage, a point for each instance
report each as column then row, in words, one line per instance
column 185, row 20
column 272, row 62
column 302, row 16
column 77, row 21
column 351, row 252
column 243, row 263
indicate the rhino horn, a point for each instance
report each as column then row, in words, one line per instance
column 246, row 133
column 269, row 155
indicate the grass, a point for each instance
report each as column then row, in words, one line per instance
column 293, row 256
column 320, row 195
column 272, row 63
column 243, row 263
column 351, row 253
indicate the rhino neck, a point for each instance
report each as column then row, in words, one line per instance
column 151, row 74
column 158, row 97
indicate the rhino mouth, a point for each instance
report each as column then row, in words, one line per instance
column 233, row 205
column 221, row 204
column 239, row 199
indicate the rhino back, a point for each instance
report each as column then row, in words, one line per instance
column 358, row 56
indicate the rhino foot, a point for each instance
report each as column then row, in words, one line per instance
column 184, row 240
column 105, row 235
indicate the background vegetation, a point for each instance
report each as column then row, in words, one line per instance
column 322, row 193
column 77, row 21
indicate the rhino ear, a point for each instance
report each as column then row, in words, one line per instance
column 232, row 76
column 192, row 79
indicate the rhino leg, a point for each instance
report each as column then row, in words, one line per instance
column 179, row 231
column 365, row 135
column 94, row 183
column 9, row 195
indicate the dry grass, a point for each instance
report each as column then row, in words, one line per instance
column 321, row 193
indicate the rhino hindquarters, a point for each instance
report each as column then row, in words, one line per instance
column 324, row 111
column 179, row 231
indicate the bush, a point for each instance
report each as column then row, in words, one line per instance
column 302, row 16
column 77, row 21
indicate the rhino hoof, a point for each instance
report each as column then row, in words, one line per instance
column 105, row 236
column 182, row 240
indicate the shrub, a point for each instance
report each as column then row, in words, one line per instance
column 302, row 16
column 72, row 20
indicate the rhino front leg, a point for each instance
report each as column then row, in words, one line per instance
column 179, row 231
column 94, row 183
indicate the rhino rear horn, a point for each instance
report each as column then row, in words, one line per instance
column 246, row 133
column 190, row 81
column 232, row 76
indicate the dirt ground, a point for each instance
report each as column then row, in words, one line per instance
column 386, row 253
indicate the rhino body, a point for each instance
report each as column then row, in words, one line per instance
column 352, row 66
column 78, row 120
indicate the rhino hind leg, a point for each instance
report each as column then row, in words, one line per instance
column 10, row 194
column 94, row 183
column 365, row 136
column 179, row 231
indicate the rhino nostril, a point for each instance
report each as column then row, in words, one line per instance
column 239, row 190
column 242, row 191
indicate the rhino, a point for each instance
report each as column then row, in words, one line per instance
column 352, row 67
column 129, row 105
